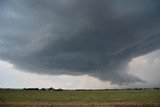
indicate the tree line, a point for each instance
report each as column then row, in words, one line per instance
column 59, row 89
column 44, row 89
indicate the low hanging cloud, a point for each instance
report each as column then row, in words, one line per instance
column 76, row 37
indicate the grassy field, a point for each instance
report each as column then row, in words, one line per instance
column 90, row 98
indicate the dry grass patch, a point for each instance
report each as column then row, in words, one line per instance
column 83, row 105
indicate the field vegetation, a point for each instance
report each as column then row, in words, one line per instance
column 80, row 98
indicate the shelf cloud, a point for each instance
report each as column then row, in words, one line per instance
column 76, row 37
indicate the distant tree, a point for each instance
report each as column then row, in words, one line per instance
column 156, row 88
column 43, row 89
column 30, row 88
column 59, row 89
column 51, row 89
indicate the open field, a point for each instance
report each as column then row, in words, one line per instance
column 103, row 98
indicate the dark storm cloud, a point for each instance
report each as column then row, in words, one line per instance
column 76, row 37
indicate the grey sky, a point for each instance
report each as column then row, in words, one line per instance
column 79, row 37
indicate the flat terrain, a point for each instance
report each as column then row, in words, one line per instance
column 58, row 98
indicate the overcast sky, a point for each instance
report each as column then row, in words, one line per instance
column 79, row 43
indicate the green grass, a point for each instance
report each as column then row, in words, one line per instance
column 80, row 97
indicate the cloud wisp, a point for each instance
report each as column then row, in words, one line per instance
column 77, row 37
